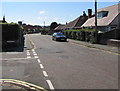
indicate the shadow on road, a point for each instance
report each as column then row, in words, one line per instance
column 11, row 48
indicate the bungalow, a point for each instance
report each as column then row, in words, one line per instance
column 77, row 23
column 108, row 18
column 59, row 28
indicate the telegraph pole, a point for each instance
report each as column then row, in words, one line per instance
column 96, row 32
column 44, row 24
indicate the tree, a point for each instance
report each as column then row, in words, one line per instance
column 53, row 25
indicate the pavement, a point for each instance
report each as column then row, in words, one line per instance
column 107, row 48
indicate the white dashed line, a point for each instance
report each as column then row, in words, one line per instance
column 41, row 66
column 45, row 74
column 28, row 56
column 33, row 50
column 35, row 56
column 27, row 50
column 50, row 85
column 38, row 60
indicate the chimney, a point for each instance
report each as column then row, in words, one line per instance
column 89, row 13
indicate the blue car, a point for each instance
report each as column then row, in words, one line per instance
column 59, row 37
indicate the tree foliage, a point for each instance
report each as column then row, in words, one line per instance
column 53, row 25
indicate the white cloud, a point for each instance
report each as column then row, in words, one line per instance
column 42, row 12
column 42, row 18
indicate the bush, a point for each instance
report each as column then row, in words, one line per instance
column 81, row 34
column 44, row 31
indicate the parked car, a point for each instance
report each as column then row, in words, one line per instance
column 59, row 37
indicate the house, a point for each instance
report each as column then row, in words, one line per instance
column 78, row 22
column 59, row 28
column 108, row 18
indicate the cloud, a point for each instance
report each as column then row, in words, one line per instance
column 42, row 12
column 42, row 18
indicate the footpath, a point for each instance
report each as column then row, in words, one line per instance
column 107, row 48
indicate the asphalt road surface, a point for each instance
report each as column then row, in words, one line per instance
column 60, row 65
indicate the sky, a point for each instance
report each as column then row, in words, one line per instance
column 36, row 13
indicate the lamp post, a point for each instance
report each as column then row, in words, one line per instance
column 96, row 32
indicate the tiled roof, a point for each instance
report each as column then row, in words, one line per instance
column 77, row 22
column 60, row 27
column 105, row 21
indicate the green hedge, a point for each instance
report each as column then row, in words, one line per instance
column 81, row 34
column 44, row 31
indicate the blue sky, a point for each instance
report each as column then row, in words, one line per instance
column 36, row 13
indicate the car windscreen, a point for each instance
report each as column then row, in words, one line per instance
column 59, row 34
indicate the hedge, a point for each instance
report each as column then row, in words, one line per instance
column 81, row 34
column 44, row 31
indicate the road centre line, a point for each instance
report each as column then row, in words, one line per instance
column 35, row 56
column 28, row 52
column 28, row 56
column 50, row 85
column 33, row 50
column 41, row 66
column 45, row 74
column 38, row 60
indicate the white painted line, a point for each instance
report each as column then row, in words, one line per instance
column 34, row 53
column 33, row 50
column 38, row 60
column 50, row 85
column 28, row 52
column 35, row 56
column 41, row 66
column 45, row 74
column 28, row 56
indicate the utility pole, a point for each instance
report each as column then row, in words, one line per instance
column 96, row 32
column 44, row 24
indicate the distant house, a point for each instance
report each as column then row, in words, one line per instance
column 108, row 18
column 59, row 28
column 78, row 22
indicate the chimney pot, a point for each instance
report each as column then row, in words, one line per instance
column 89, row 13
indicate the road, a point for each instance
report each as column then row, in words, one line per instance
column 60, row 65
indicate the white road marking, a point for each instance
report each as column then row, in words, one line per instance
column 33, row 50
column 45, row 74
column 28, row 56
column 27, row 50
column 41, row 66
column 38, row 60
column 50, row 85
column 35, row 56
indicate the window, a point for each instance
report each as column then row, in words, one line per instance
column 102, row 14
